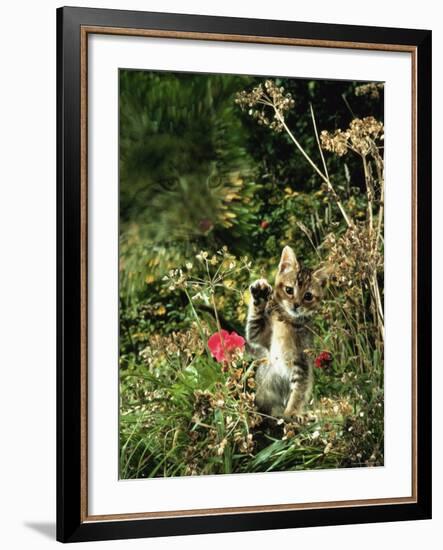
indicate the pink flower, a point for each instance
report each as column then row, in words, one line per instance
column 224, row 345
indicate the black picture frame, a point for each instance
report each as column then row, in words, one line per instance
column 72, row 525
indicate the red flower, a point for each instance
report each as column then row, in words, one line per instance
column 264, row 224
column 223, row 345
column 205, row 225
column 323, row 360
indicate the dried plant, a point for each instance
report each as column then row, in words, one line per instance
column 360, row 248
column 372, row 89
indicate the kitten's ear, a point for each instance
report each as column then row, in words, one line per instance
column 288, row 261
column 323, row 273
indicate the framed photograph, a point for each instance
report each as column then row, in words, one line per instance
column 244, row 274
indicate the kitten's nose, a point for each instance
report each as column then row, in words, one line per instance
column 296, row 306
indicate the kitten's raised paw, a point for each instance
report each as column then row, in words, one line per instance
column 261, row 291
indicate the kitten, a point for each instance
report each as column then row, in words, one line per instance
column 277, row 329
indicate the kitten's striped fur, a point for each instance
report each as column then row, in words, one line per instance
column 277, row 329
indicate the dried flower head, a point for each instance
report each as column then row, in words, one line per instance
column 372, row 89
column 360, row 137
column 267, row 103
column 355, row 256
column 182, row 345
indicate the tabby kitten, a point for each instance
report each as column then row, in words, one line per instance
column 277, row 329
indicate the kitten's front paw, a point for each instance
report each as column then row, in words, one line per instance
column 261, row 291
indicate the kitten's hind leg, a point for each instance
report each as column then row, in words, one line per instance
column 258, row 329
column 301, row 386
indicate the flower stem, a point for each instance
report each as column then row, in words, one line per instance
column 200, row 327
column 315, row 167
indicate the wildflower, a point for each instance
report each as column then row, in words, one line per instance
column 161, row 310
column 323, row 360
column 372, row 89
column 205, row 225
column 202, row 256
column 288, row 431
column 360, row 137
column 224, row 345
column 221, row 447
column 268, row 104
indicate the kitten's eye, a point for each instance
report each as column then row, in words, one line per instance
column 289, row 290
column 308, row 297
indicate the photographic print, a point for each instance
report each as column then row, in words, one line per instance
column 223, row 276
column 251, row 274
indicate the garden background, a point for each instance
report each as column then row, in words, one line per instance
column 210, row 192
